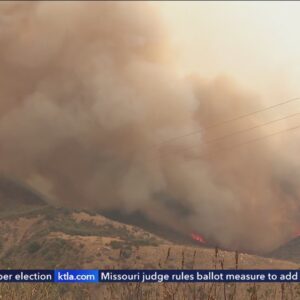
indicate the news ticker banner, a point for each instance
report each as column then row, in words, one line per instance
column 149, row 276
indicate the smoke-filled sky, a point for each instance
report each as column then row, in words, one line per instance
column 257, row 43
column 93, row 93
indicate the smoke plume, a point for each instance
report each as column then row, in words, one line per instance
column 90, row 102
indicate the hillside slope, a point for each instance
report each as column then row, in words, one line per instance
column 34, row 234
column 289, row 251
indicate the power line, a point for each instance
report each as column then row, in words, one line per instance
column 246, row 130
column 251, row 141
column 229, row 121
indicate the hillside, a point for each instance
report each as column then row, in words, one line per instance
column 34, row 234
column 58, row 238
column 289, row 251
column 17, row 198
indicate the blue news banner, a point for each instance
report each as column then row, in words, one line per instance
column 145, row 276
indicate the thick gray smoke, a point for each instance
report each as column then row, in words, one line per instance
column 89, row 91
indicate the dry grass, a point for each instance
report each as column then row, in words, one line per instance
column 172, row 291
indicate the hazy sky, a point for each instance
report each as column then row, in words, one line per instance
column 258, row 43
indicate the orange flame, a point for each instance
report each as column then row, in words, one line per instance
column 296, row 233
column 198, row 238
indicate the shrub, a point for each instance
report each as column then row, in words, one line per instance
column 116, row 244
column 33, row 247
